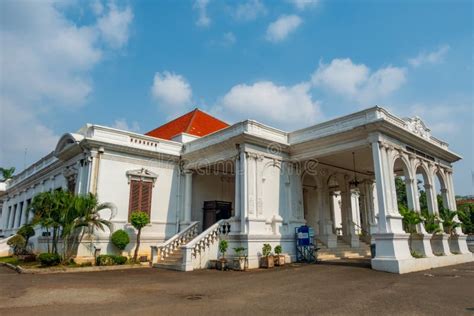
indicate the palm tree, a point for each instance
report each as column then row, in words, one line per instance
column 7, row 173
column 81, row 218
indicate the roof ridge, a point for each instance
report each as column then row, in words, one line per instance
column 191, row 121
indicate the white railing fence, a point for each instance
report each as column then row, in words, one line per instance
column 164, row 250
column 204, row 247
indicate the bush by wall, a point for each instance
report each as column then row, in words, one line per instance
column 120, row 239
column 110, row 260
column 49, row 259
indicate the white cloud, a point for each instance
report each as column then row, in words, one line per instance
column 288, row 107
column 304, row 4
column 115, row 25
column 250, row 10
column 279, row 30
column 46, row 62
column 435, row 57
column 203, row 19
column 355, row 81
column 171, row 91
column 122, row 124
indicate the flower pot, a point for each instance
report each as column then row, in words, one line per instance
column 267, row 262
column 279, row 260
column 221, row 264
column 240, row 264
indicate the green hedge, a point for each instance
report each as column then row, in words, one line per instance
column 110, row 260
column 49, row 259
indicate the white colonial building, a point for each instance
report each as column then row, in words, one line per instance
column 201, row 180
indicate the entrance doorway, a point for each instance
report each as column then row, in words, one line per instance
column 214, row 211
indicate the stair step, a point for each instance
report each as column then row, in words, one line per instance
column 168, row 266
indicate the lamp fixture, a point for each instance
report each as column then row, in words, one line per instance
column 354, row 183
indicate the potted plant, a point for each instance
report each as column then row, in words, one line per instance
column 267, row 260
column 222, row 262
column 279, row 258
column 240, row 262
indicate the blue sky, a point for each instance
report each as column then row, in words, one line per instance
column 135, row 64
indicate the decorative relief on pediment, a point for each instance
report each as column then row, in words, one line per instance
column 418, row 127
column 142, row 174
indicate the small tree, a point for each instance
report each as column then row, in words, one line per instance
column 138, row 220
column 278, row 250
column 223, row 246
column 27, row 231
column 266, row 250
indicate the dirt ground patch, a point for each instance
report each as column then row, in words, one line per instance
column 323, row 289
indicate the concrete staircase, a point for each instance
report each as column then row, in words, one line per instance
column 343, row 251
column 173, row 262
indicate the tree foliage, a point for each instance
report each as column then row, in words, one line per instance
column 7, row 173
column 68, row 218
column 410, row 219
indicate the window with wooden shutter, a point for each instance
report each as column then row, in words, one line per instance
column 140, row 196
column 141, row 189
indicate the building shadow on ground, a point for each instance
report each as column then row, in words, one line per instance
column 356, row 263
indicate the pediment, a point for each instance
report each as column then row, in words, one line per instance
column 418, row 127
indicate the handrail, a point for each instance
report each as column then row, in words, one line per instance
column 168, row 247
column 207, row 237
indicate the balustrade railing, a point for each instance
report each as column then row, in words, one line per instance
column 208, row 237
column 164, row 250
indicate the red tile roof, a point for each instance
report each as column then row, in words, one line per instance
column 195, row 123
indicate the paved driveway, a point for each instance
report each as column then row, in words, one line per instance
column 296, row 289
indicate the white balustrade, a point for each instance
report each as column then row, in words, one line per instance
column 164, row 250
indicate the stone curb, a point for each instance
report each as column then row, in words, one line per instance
column 19, row 269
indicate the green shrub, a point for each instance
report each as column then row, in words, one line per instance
column 266, row 250
column 120, row 260
column 17, row 243
column 120, row 239
column 278, row 250
column 110, row 260
column 49, row 259
column 223, row 245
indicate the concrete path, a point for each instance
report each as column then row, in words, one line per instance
column 324, row 289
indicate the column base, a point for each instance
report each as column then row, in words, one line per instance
column 390, row 246
column 440, row 245
column 458, row 244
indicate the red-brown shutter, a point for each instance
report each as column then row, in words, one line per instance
column 146, row 197
column 134, row 196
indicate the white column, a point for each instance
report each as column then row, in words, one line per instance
column 378, row 157
column 451, row 195
column 243, row 191
column 237, row 188
column 188, row 176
